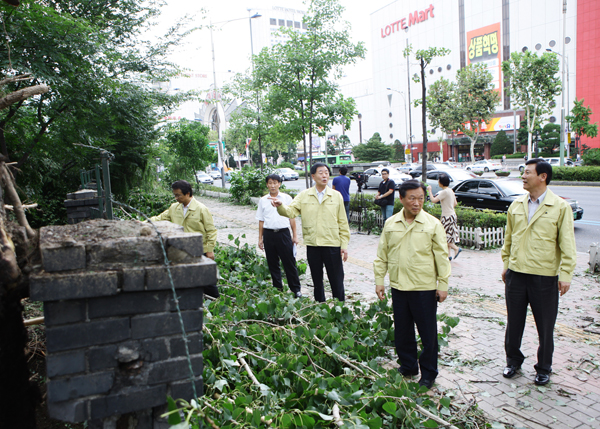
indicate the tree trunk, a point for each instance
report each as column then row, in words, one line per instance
column 18, row 396
column 424, row 121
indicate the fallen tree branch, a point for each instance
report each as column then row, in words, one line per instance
column 34, row 321
column 23, row 94
column 335, row 411
column 25, row 206
column 243, row 362
column 508, row 410
column 9, row 183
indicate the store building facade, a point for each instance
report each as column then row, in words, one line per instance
column 474, row 32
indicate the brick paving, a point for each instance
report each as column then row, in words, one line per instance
column 471, row 366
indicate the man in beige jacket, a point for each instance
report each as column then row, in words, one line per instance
column 413, row 250
column 325, row 230
column 539, row 258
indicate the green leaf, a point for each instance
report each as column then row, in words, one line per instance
column 333, row 396
column 430, row 423
column 445, row 402
column 390, row 407
column 174, row 418
column 219, row 384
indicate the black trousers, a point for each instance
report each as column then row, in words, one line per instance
column 332, row 259
column 541, row 292
column 211, row 291
column 420, row 308
column 279, row 246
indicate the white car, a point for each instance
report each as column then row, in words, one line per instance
column 485, row 166
column 204, row 178
column 287, row 174
column 554, row 162
column 375, row 178
column 215, row 174
column 456, row 176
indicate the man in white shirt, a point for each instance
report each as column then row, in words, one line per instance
column 275, row 239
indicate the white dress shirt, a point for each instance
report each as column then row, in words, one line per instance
column 268, row 214
column 321, row 195
column 533, row 205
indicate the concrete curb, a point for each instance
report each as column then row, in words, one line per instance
column 566, row 183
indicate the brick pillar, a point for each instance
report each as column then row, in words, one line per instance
column 114, row 341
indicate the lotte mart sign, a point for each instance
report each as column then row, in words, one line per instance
column 412, row 19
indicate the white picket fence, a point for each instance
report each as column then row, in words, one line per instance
column 480, row 238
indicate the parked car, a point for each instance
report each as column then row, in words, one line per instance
column 215, row 174
column 204, row 178
column 498, row 194
column 456, row 176
column 450, row 164
column 407, row 168
column 554, row 162
column 416, row 172
column 375, row 178
column 485, row 166
column 299, row 167
column 287, row 174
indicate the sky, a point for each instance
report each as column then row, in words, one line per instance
column 232, row 40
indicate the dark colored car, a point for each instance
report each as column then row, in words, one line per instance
column 416, row 172
column 498, row 195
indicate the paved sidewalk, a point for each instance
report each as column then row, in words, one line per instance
column 471, row 367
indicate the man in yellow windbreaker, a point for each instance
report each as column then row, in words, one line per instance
column 194, row 217
column 413, row 250
column 325, row 230
column 539, row 258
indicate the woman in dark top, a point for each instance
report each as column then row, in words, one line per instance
column 386, row 190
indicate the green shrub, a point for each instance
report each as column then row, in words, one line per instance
column 510, row 156
column 286, row 165
column 150, row 203
column 248, row 182
column 591, row 157
column 471, row 218
column 576, row 174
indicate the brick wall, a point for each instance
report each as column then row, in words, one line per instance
column 82, row 205
column 114, row 342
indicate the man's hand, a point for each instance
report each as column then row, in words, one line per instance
column 380, row 291
column 441, row 295
column 275, row 202
column 504, row 275
column 210, row 255
column 295, row 240
column 344, row 254
column 563, row 287
column 261, row 244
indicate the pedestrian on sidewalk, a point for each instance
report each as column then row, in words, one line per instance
column 342, row 185
column 194, row 217
column 413, row 250
column 447, row 200
column 275, row 239
column 503, row 160
column 539, row 258
column 386, row 192
column 325, row 230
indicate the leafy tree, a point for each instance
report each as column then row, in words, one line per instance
column 302, row 95
column 342, row 143
column 579, row 121
column 550, row 138
column 187, row 150
column 533, row 84
column 98, row 69
column 424, row 56
column 397, row 150
column 441, row 106
column 373, row 150
column 502, row 144
column 475, row 101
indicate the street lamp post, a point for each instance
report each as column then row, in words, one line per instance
column 565, row 60
column 405, row 118
column 219, row 109
column 360, row 128
column 256, row 15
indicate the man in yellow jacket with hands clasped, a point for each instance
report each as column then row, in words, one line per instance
column 325, row 230
column 539, row 258
column 413, row 250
